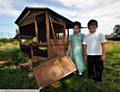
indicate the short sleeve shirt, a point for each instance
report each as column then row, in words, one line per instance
column 93, row 42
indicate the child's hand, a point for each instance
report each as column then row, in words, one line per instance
column 103, row 57
column 85, row 57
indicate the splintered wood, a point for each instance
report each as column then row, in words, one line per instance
column 53, row 70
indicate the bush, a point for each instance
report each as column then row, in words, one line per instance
column 18, row 56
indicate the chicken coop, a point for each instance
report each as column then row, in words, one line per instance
column 43, row 36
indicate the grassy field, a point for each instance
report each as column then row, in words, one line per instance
column 11, row 77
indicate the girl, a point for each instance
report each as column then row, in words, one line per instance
column 75, row 47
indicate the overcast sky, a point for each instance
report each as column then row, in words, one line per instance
column 107, row 12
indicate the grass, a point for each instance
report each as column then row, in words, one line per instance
column 11, row 77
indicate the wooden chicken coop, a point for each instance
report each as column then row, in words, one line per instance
column 44, row 30
column 42, row 36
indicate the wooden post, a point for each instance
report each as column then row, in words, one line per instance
column 68, row 34
column 19, row 36
column 31, row 48
column 67, row 39
column 53, row 31
column 36, row 29
column 47, row 30
column 64, row 31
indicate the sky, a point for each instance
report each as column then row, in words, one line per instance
column 106, row 12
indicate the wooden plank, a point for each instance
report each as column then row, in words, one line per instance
column 39, row 58
column 47, row 27
column 33, row 14
column 58, row 21
column 53, row 70
column 4, row 62
column 53, row 31
column 65, row 38
column 53, row 48
column 48, row 33
column 31, row 51
column 27, row 21
column 19, row 35
column 29, row 17
column 67, row 43
column 36, row 28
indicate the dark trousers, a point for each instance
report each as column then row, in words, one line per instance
column 95, row 67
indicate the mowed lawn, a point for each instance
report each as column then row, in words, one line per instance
column 17, row 78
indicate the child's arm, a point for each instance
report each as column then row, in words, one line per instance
column 103, row 57
column 69, row 47
column 85, row 52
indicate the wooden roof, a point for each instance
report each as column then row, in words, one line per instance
column 68, row 22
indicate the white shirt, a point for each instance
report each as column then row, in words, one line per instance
column 93, row 42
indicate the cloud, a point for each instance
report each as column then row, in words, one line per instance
column 93, row 8
column 7, row 8
column 62, row 11
column 78, row 3
column 107, row 12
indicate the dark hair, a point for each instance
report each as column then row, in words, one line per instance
column 92, row 22
column 76, row 23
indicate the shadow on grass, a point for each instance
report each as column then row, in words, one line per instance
column 75, row 83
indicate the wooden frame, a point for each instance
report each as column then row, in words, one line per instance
column 36, row 28
column 53, row 70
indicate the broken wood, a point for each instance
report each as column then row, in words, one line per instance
column 53, row 70
column 4, row 62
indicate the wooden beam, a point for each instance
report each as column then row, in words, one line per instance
column 47, row 32
column 57, row 22
column 36, row 28
column 19, row 36
column 27, row 21
column 64, row 30
column 68, row 35
column 53, row 31
column 47, row 27
column 29, row 16
column 31, row 48
column 65, row 40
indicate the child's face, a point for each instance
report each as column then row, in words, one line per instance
column 92, row 29
column 76, row 29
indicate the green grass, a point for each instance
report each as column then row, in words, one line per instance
column 19, row 78
column 112, row 66
column 16, row 78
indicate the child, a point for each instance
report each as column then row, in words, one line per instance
column 75, row 47
column 94, row 51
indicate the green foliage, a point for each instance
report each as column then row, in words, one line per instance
column 15, row 78
column 18, row 56
column 117, row 29
column 5, row 40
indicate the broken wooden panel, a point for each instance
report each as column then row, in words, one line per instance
column 53, row 70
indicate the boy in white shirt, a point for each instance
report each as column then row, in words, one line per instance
column 94, row 51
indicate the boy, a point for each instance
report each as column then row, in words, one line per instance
column 75, row 47
column 94, row 51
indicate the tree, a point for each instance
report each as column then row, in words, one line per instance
column 116, row 30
